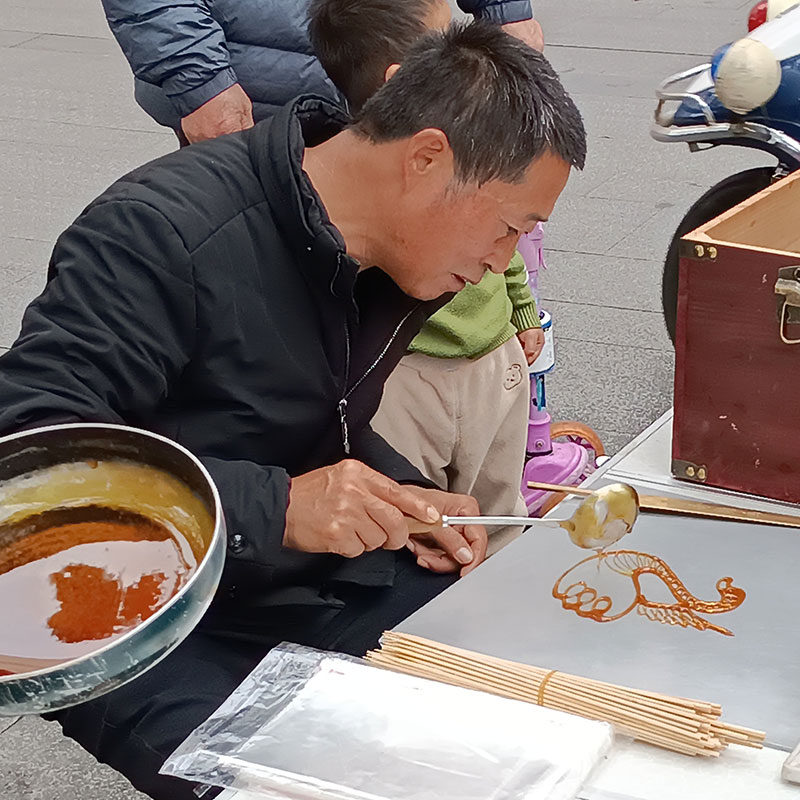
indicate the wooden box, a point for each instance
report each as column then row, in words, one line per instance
column 737, row 371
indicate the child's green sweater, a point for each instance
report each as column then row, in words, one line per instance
column 480, row 318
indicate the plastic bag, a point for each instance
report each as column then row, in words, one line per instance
column 309, row 725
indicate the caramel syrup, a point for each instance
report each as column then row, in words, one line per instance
column 587, row 601
column 68, row 589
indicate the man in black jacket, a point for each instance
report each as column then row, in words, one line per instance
column 248, row 297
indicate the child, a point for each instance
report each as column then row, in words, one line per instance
column 457, row 405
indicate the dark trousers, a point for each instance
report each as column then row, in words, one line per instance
column 136, row 727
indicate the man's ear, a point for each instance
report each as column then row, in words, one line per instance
column 428, row 156
column 390, row 70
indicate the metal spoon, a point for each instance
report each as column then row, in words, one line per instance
column 600, row 520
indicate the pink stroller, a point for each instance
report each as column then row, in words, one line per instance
column 561, row 453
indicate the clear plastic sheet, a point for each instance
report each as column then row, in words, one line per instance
column 309, row 725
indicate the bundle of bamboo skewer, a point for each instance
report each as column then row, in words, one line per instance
column 685, row 726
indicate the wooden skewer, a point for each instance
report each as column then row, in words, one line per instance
column 399, row 641
column 528, row 685
column 555, row 693
column 591, row 693
column 635, row 724
column 641, row 728
column 684, row 725
column 738, row 729
column 692, row 508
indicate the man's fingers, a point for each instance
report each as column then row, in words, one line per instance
column 433, row 558
column 350, row 547
column 478, row 541
column 404, row 499
column 390, row 521
column 441, row 564
column 454, row 544
column 371, row 534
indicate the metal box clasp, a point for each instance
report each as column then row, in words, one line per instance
column 787, row 287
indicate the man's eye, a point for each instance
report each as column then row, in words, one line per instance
column 512, row 231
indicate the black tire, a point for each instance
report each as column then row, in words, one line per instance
column 719, row 198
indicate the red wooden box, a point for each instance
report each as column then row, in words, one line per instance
column 737, row 370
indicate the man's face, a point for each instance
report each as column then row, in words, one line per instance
column 449, row 236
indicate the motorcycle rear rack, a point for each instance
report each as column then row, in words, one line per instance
column 665, row 95
column 714, row 131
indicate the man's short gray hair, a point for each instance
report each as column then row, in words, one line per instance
column 498, row 101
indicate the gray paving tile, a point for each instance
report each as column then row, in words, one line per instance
column 77, row 18
column 619, row 142
column 608, row 386
column 87, row 89
column 61, row 43
column 38, row 763
column 135, row 146
column 615, row 73
column 613, row 441
column 15, row 299
column 601, row 280
column 37, row 169
column 593, row 225
column 636, row 174
column 599, row 169
column 21, row 257
column 670, row 173
column 604, row 325
column 652, row 239
column 7, row 722
column 43, row 217
column 624, row 118
column 15, row 38
column 47, row 186
column 675, row 28
column 548, row 12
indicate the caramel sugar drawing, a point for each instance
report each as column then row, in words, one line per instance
column 579, row 596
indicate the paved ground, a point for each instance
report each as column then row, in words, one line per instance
column 69, row 126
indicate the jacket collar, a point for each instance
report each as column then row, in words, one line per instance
column 276, row 150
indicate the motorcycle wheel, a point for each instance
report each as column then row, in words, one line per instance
column 718, row 199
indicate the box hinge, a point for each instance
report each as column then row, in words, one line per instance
column 700, row 252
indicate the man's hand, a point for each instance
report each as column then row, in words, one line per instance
column 228, row 112
column 349, row 508
column 529, row 30
column 532, row 342
column 449, row 549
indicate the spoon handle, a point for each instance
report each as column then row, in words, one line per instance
column 491, row 522
column 415, row 526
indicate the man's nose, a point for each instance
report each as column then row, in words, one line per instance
column 497, row 262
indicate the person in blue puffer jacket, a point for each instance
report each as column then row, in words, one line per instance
column 208, row 67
